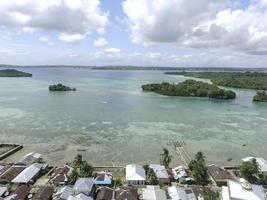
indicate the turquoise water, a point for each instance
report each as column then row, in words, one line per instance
column 113, row 121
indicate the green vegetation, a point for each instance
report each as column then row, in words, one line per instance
column 260, row 96
column 211, row 195
column 13, row 73
column 247, row 80
column 199, row 169
column 117, row 182
column 166, row 158
column 190, row 88
column 249, row 170
column 81, row 169
column 151, row 178
column 60, row 87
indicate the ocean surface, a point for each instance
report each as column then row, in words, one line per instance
column 109, row 120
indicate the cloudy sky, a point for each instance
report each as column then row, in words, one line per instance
column 181, row 33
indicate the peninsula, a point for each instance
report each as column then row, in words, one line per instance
column 13, row 73
column 60, row 88
column 246, row 80
column 190, row 88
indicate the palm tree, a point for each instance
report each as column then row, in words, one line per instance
column 86, row 170
column 73, row 176
column 77, row 162
column 199, row 156
column 166, row 158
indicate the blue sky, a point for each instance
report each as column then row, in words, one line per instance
column 180, row 33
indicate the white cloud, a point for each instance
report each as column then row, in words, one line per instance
column 69, row 17
column 112, row 50
column 100, row 42
column 71, row 38
column 205, row 24
column 46, row 40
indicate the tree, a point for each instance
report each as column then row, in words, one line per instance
column 73, row 176
column 249, row 170
column 77, row 162
column 86, row 170
column 199, row 169
column 117, row 182
column 211, row 195
column 166, row 158
column 151, row 178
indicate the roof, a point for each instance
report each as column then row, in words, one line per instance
column 28, row 174
column 83, row 185
column 63, row 193
column 160, row 171
column 199, row 190
column 20, row 193
column 154, row 193
column 30, row 158
column 44, row 193
column 2, row 190
column 261, row 162
column 59, row 174
column 80, row 197
column 11, row 173
column 135, row 172
column 179, row 172
column 4, row 167
column 105, row 193
column 103, row 178
column 218, row 173
column 129, row 193
column 177, row 193
column 244, row 191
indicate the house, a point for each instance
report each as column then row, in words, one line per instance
column 11, row 173
column 129, row 193
column 161, row 173
column 179, row 172
column 59, row 175
column 3, row 191
column 135, row 174
column 261, row 162
column 219, row 175
column 242, row 190
column 29, row 174
column 3, row 168
column 63, row 193
column 80, row 197
column 199, row 191
column 179, row 193
column 153, row 192
column 44, row 193
column 105, row 193
column 31, row 158
column 21, row 193
column 84, row 185
column 103, row 178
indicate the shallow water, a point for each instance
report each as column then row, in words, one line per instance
column 115, row 122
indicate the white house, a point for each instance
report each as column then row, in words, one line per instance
column 161, row 173
column 261, row 162
column 179, row 193
column 80, row 197
column 135, row 174
column 28, row 174
column 152, row 192
column 242, row 190
column 83, row 185
column 31, row 158
column 63, row 194
column 179, row 172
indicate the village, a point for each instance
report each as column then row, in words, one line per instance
column 32, row 178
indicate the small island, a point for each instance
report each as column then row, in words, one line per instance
column 245, row 80
column 190, row 88
column 60, row 88
column 13, row 73
column 261, row 96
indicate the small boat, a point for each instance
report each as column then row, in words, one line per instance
column 81, row 149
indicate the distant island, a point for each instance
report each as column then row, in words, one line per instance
column 190, row 88
column 13, row 73
column 246, row 80
column 59, row 87
column 260, row 96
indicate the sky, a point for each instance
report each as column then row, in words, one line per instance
column 167, row 33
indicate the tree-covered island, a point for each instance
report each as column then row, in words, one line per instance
column 59, row 87
column 260, row 96
column 246, row 80
column 190, row 88
column 13, row 73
